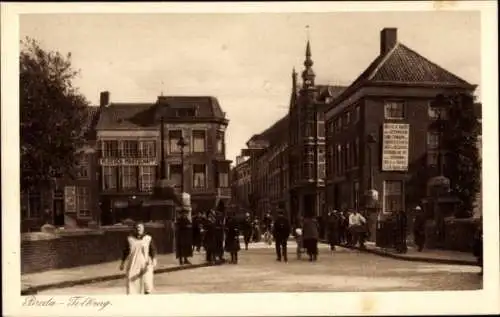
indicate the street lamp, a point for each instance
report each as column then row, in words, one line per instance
column 181, row 144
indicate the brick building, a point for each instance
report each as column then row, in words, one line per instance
column 387, row 109
column 128, row 136
column 241, row 179
column 67, row 201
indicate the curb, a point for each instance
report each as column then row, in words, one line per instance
column 411, row 259
column 33, row 290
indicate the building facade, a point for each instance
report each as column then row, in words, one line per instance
column 381, row 131
column 241, row 183
column 129, row 146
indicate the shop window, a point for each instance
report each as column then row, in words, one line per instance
column 129, row 177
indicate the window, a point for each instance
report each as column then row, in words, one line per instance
column 357, row 114
column 199, row 176
column 130, row 148
column 220, row 142
column 356, row 152
column 432, row 112
column 393, row 196
column 175, row 173
column 338, row 124
column 347, row 155
column 223, row 179
column 432, row 158
column 129, row 177
column 31, row 205
column 432, row 140
column 185, row 112
column 148, row 149
column 321, row 129
column 347, row 119
column 338, row 160
column 83, row 168
column 147, row 178
column 110, row 148
column 83, row 202
column 199, row 141
column 173, row 138
column 109, row 174
column 394, row 110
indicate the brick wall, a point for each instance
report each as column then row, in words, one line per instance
column 43, row 252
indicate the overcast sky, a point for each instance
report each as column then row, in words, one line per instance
column 245, row 60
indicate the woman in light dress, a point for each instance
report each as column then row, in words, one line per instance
column 139, row 261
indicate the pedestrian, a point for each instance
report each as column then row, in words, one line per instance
column 197, row 224
column 209, row 237
column 219, row 236
column 333, row 225
column 478, row 244
column 401, row 223
column 184, row 238
column 346, row 235
column 419, row 229
column 281, row 232
column 356, row 227
column 232, row 243
column 310, row 231
column 256, row 230
column 139, row 261
column 247, row 230
column 299, row 239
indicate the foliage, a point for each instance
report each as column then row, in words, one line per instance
column 460, row 140
column 52, row 115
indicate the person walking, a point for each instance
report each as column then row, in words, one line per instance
column 247, row 230
column 232, row 243
column 139, row 261
column 209, row 237
column 281, row 232
column 184, row 238
column 219, row 236
column 419, row 229
column 356, row 227
column 310, row 231
column 333, row 226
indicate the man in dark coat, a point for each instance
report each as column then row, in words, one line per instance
column 400, row 234
column 333, row 226
column 209, row 237
column 232, row 241
column 281, row 232
column 184, row 238
column 419, row 229
column 197, row 224
column 246, row 227
column 219, row 236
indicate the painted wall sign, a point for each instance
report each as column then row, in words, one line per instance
column 70, row 199
column 128, row 161
column 396, row 139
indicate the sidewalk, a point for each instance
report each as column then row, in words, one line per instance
column 34, row 282
column 430, row 256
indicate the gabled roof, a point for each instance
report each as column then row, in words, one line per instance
column 403, row 66
column 140, row 116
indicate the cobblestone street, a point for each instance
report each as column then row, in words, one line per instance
column 345, row 270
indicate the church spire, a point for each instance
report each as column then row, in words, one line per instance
column 294, row 80
column 308, row 73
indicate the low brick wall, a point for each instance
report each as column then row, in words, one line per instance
column 72, row 248
column 458, row 235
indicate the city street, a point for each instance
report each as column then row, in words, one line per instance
column 345, row 270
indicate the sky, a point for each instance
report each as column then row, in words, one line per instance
column 245, row 60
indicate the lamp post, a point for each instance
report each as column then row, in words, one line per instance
column 371, row 194
column 181, row 144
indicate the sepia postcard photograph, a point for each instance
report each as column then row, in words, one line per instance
column 226, row 159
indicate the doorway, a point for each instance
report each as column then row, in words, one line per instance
column 58, row 207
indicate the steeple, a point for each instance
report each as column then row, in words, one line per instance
column 294, row 81
column 308, row 73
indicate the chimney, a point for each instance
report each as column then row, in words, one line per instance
column 104, row 99
column 388, row 39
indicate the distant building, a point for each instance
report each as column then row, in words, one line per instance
column 128, row 136
column 390, row 101
column 241, row 183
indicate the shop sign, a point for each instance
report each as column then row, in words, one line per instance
column 128, row 161
column 395, row 146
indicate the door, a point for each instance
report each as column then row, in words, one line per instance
column 58, row 206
